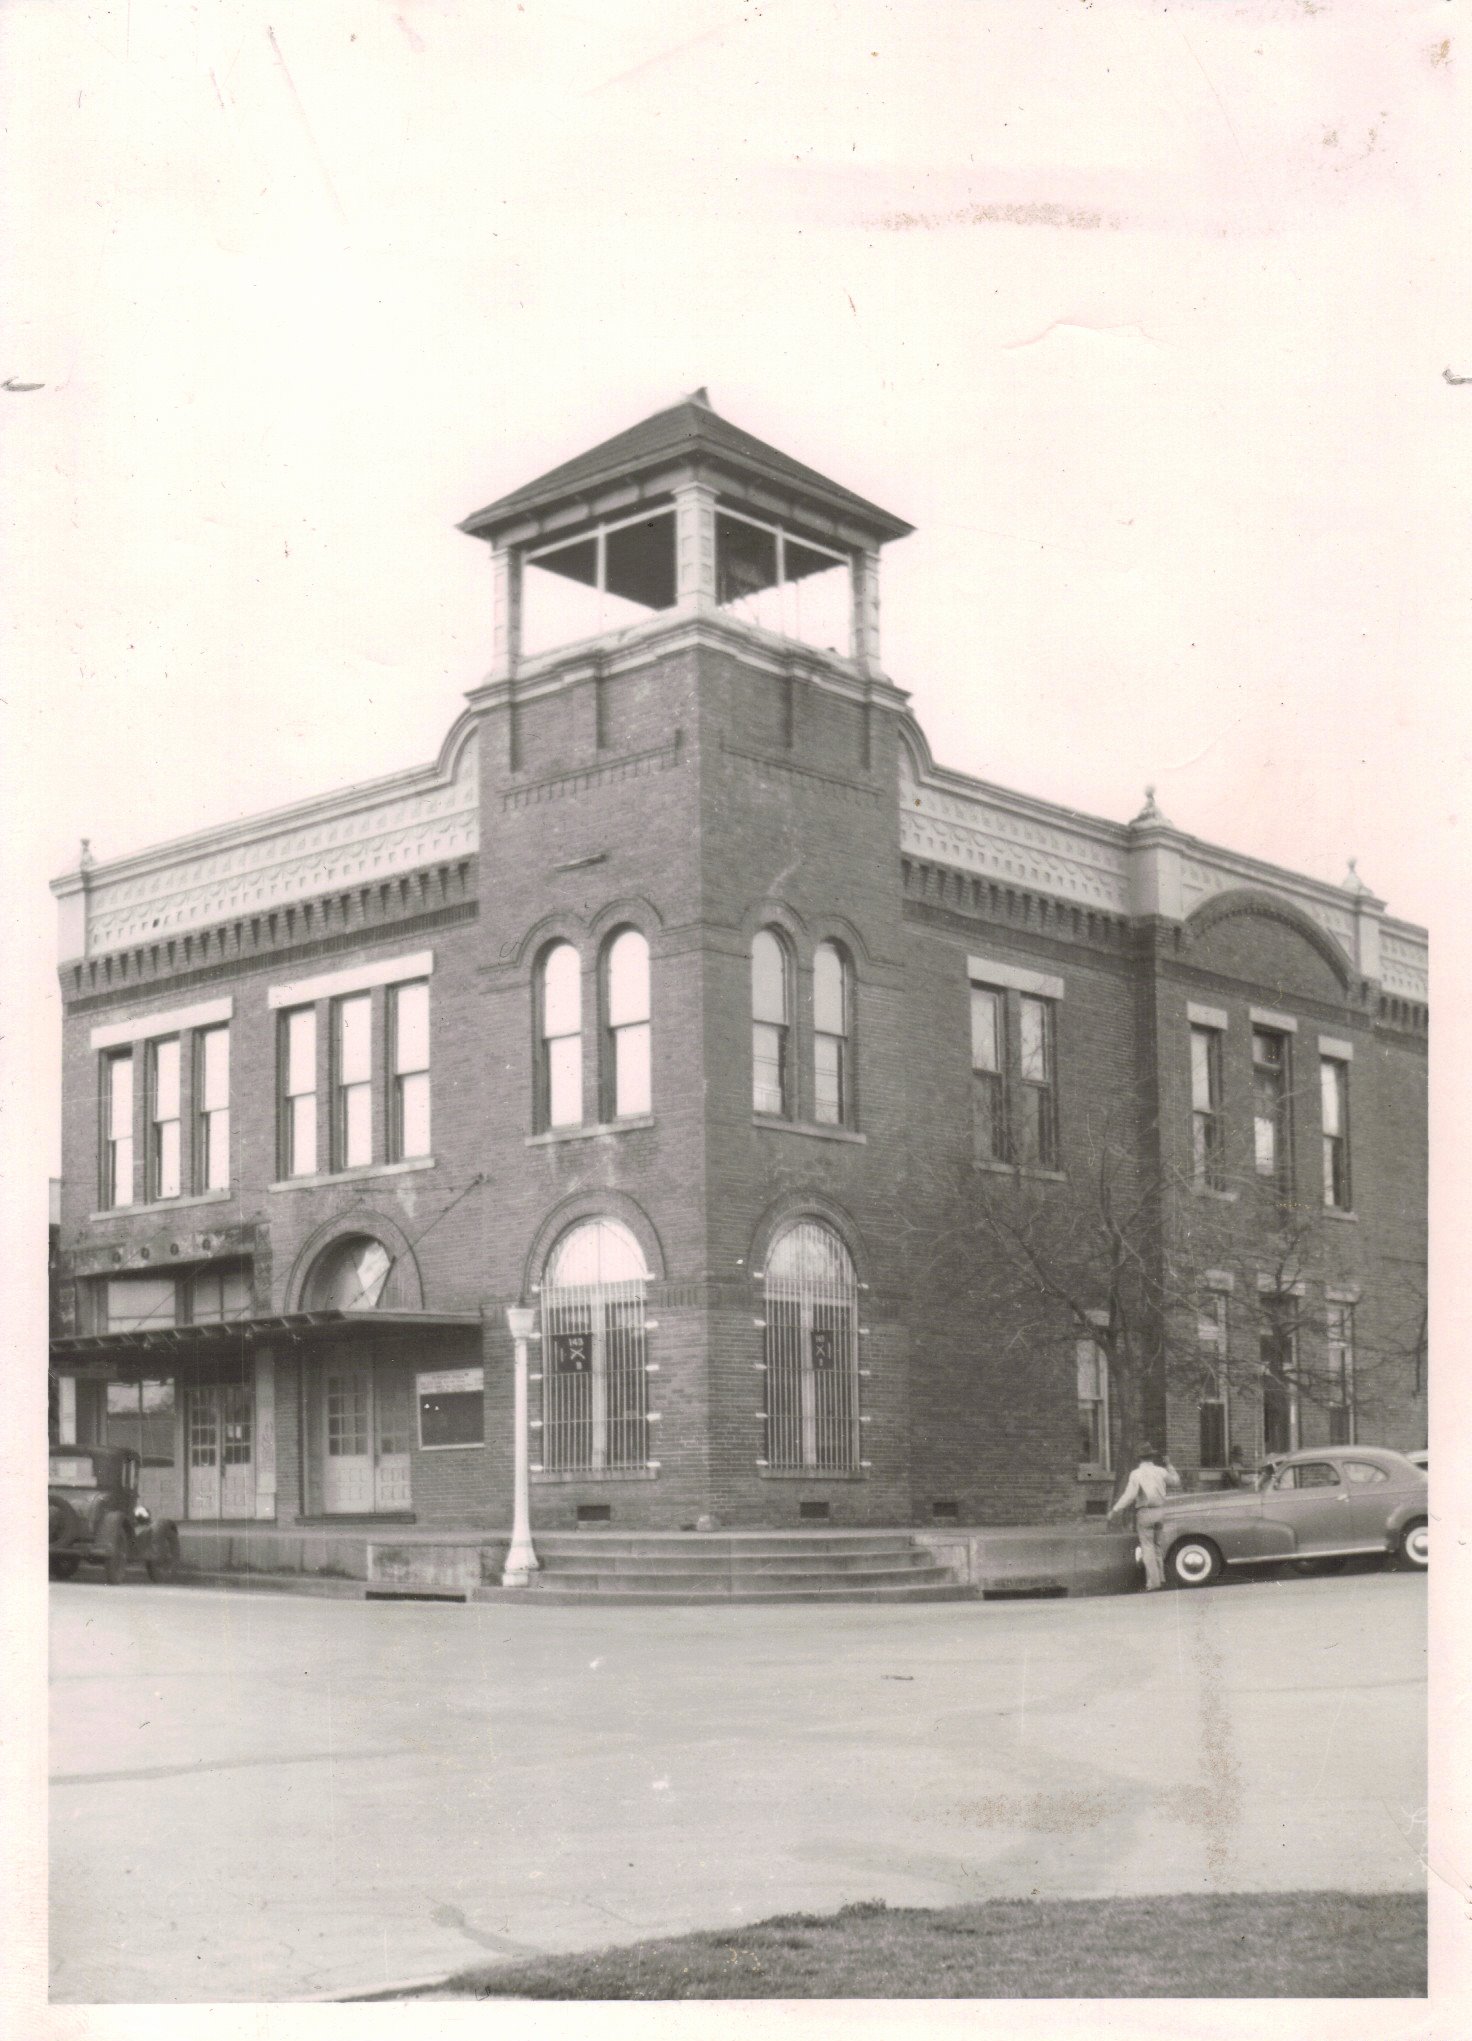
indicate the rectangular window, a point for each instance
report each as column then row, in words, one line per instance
column 139, row 1303
column 141, row 1415
column 1341, row 1374
column 352, row 1082
column 988, row 1079
column 117, row 1129
column 1093, row 1404
column 1206, row 1108
column 1334, row 1096
column 1036, row 1115
column 409, row 1105
column 217, row 1294
column 163, row 1119
column 1270, row 1105
column 212, row 1109
column 452, row 1407
column 1278, row 1354
column 298, row 1054
column 1211, row 1336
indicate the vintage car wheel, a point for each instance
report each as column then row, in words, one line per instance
column 63, row 1566
column 1195, row 1562
column 1415, row 1551
column 113, row 1544
column 162, row 1562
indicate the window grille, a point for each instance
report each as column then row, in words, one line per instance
column 812, row 1389
column 595, row 1408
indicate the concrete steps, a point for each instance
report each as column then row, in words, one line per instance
column 657, row 1567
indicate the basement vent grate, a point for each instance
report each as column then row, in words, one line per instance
column 948, row 1511
column 1051, row 1593
column 412, row 1594
column 813, row 1512
column 595, row 1513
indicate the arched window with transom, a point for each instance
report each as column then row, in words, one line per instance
column 812, row 1348
column 560, row 1038
column 626, row 1059
column 771, row 1017
column 833, row 1070
column 595, row 1402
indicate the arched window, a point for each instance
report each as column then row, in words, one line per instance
column 771, row 1009
column 626, row 1078
column 595, row 1407
column 351, row 1276
column 812, row 1345
column 560, row 1024
column 832, row 1061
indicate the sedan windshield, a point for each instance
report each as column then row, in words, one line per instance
column 72, row 1470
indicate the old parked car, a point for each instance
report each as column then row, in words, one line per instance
column 94, row 1513
column 1318, row 1505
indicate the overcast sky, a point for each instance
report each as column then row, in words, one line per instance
column 1139, row 314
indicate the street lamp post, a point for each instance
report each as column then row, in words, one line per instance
column 521, row 1560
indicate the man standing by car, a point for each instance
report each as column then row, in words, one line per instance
column 1151, row 1482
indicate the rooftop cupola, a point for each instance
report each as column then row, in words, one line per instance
column 684, row 515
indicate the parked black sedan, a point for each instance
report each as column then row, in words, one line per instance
column 95, row 1513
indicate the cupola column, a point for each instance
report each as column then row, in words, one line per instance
column 866, row 609
column 505, row 610
column 695, row 546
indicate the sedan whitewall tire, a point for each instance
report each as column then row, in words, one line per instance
column 1194, row 1562
column 1415, row 1549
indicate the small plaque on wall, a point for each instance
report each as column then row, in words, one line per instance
column 572, row 1353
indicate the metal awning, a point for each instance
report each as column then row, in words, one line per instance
column 288, row 1328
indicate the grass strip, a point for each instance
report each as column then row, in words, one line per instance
column 1230, row 1945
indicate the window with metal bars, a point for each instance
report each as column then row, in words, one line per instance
column 811, row 1353
column 595, row 1372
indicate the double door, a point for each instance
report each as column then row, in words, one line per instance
column 220, row 1441
column 366, row 1418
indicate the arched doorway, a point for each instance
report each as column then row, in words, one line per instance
column 812, row 1349
column 595, row 1408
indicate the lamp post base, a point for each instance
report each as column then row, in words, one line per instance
column 521, row 1563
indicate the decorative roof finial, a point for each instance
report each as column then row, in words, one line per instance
column 84, row 862
column 700, row 396
column 1150, row 812
column 1352, row 881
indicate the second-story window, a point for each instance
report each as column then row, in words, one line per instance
column 560, row 1021
column 626, row 1002
column 298, row 1053
column 988, row 1075
column 1207, row 1160
column 1270, row 1105
column 1037, row 1138
column 770, row 1016
column 163, row 1120
column 352, row 1082
column 1334, row 1098
column 117, row 1129
column 832, row 1062
column 1340, row 1329
column 212, row 1109
column 409, row 1100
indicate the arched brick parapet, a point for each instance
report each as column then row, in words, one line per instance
column 1248, row 902
column 404, row 1290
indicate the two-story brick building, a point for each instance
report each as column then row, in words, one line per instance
column 685, row 998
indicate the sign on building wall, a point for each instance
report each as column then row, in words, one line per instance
column 572, row 1353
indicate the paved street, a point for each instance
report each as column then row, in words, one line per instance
column 265, row 1797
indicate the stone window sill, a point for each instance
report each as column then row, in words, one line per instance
column 157, row 1205
column 331, row 1176
column 810, row 1474
column 1027, row 1169
column 809, row 1129
column 556, row 1134
column 1339, row 1212
column 571, row 1477
column 1207, row 1190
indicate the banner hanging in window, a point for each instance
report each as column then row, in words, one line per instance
column 452, row 1407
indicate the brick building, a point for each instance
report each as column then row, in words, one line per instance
column 685, row 998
